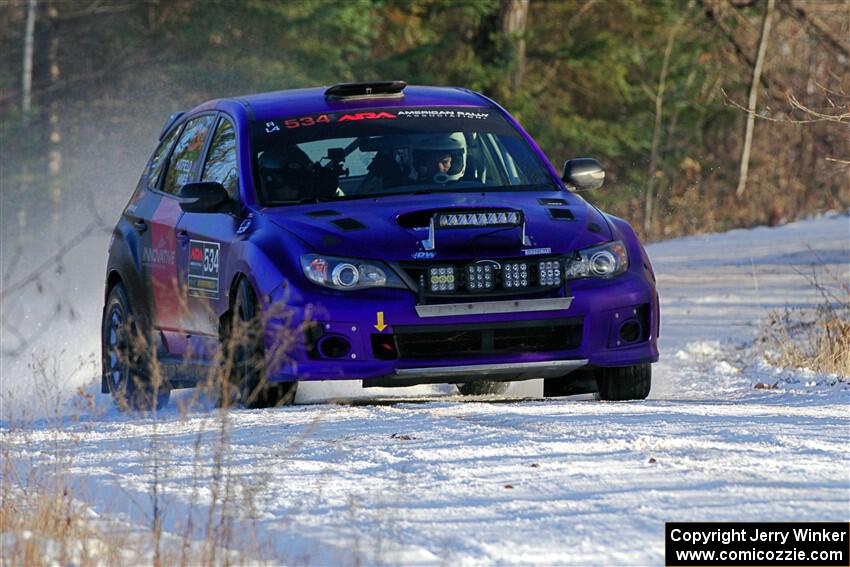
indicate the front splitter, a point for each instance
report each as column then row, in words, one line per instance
column 511, row 372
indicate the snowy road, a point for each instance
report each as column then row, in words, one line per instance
column 430, row 479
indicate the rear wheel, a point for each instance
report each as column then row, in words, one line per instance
column 482, row 388
column 125, row 358
column 246, row 365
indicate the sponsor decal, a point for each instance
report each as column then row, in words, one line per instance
column 333, row 118
column 443, row 113
column 157, row 256
column 245, row 225
column 327, row 119
column 365, row 116
column 423, row 255
column 160, row 255
column 536, row 251
column 204, row 261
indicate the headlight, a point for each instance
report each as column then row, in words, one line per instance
column 604, row 261
column 346, row 273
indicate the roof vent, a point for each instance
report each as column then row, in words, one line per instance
column 378, row 89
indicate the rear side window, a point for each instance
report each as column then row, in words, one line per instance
column 159, row 158
column 221, row 159
column 187, row 153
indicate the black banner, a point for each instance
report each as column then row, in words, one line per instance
column 757, row 544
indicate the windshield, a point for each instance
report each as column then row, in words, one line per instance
column 358, row 154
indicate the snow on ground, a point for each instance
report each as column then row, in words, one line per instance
column 430, row 479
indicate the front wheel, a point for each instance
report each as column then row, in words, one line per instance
column 612, row 384
column 624, row 383
column 125, row 354
column 244, row 348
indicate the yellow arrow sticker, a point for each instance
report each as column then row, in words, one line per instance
column 380, row 326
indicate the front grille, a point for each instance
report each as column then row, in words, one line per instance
column 441, row 341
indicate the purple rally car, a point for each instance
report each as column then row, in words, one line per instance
column 371, row 231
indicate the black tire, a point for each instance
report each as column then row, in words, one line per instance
column 575, row 383
column 126, row 358
column 243, row 344
column 624, row 383
column 482, row 388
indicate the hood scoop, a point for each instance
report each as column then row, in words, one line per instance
column 422, row 219
column 561, row 214
column 548, row 202
column 349, row 224
column 323, row 213
column 416, row 219
column 487, row 219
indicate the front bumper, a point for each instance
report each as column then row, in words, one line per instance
column 392, row 341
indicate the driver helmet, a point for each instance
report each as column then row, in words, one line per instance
column 439, row 157
column 286, row 172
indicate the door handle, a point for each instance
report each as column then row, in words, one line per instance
column 183, row 237
column 140, row 225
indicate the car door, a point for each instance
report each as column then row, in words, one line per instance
column 144, row 256
column 205, row 245
column 170, row 312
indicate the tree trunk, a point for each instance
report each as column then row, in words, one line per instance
column 513, row 18
column 751, row 103
column 26, row 77
column 656, row 133
column 54, row 142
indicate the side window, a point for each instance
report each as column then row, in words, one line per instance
column 186, row 153
column 159, row 158
column 221, row 159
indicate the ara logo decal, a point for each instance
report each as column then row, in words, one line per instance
column 272, row 127
column 365, row 116
column 204, row 258
column 423, row 255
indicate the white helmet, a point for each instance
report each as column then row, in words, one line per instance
column 438, row 157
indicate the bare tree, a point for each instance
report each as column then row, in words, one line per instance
column 751, row 103
column 26, row 76
column 54, row 156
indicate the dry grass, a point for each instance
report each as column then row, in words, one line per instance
column 816, row 339
column 46, row 527
column 44, row 521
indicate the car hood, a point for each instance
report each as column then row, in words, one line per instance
column 397, row 227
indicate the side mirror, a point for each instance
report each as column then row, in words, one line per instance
column 204, row 197
column 583, row 174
